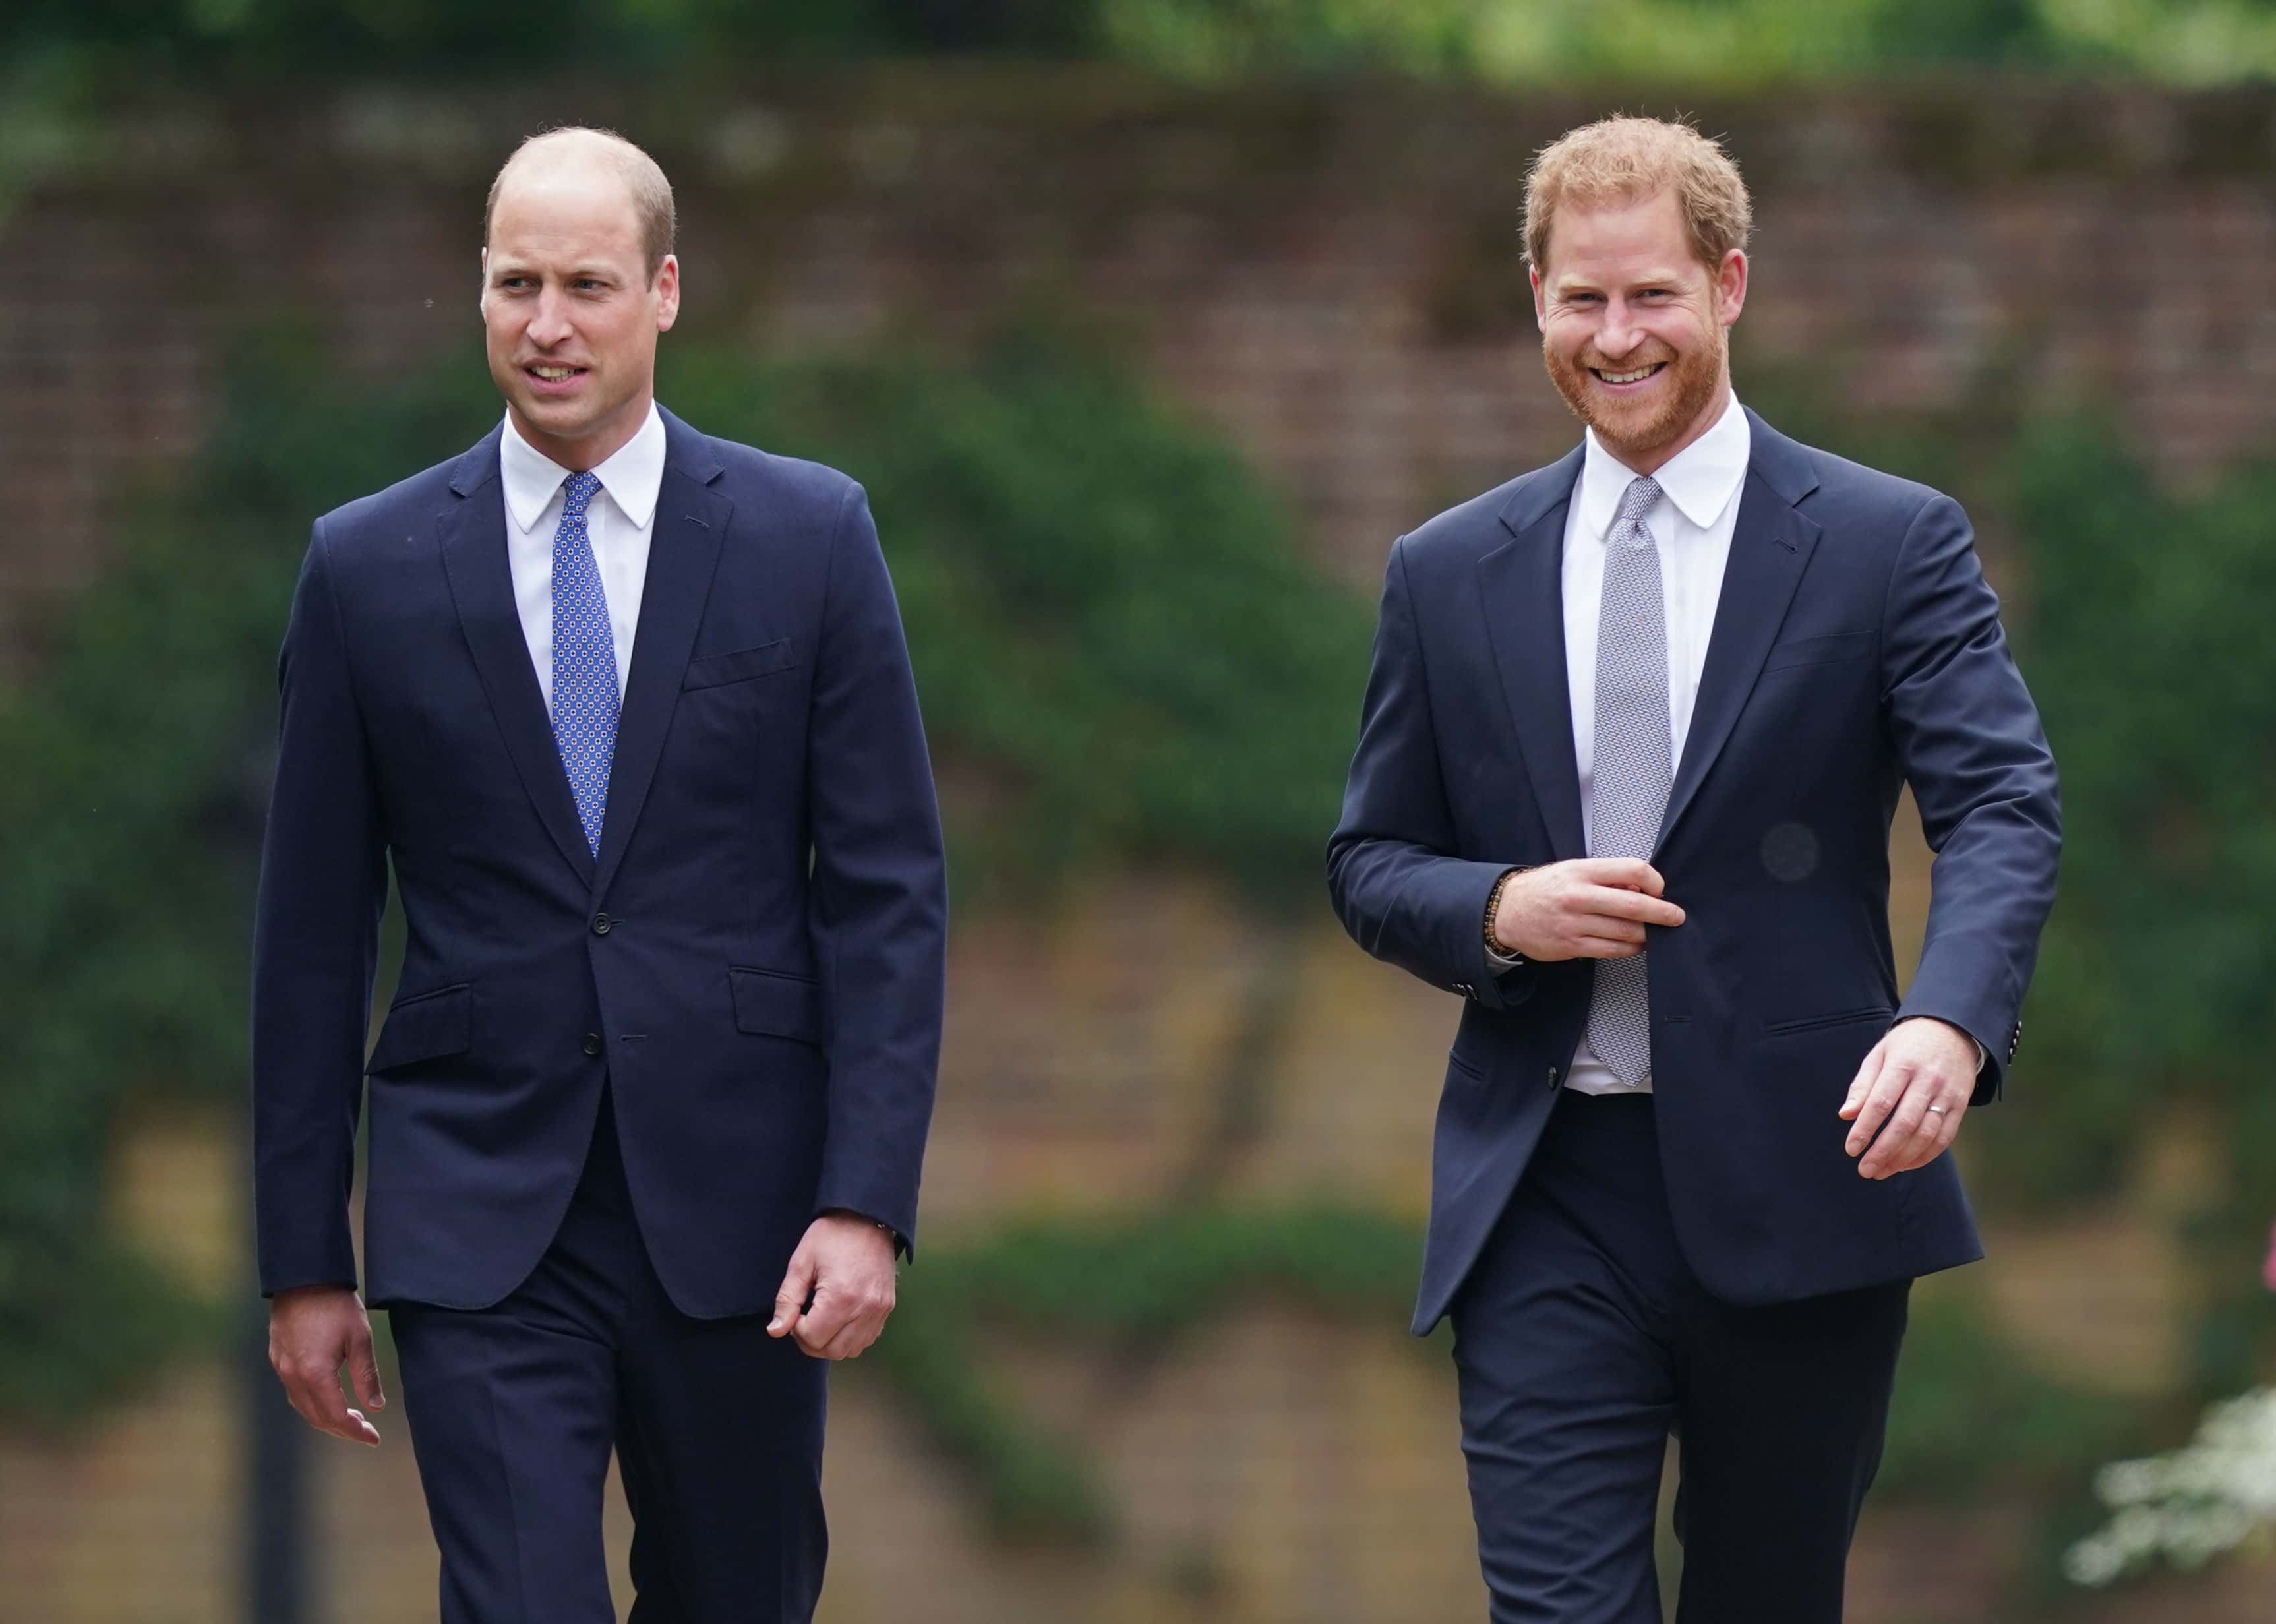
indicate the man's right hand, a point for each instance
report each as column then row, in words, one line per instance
column 1590, row 907
column 313, row 1331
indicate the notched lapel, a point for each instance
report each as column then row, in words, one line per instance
column 691, row 520
column 482, row 587
column 1771, row 546
column 1523, row 591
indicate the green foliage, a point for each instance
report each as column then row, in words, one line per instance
column 1120, row 657
column 1971, row 1417
column 1529, row 41
column 326, row 34
column 2149, row 651
column 1114, row 636
column 1125, row 1283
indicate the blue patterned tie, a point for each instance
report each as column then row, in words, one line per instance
column 585, row 697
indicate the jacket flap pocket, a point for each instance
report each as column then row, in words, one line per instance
column 1819, row 651
column 739, row 665
column 1840, row 1018
column 776, row 1004
column 425, row 1027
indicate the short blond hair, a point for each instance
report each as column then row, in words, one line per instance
column 1620, row 160
column 643, row 179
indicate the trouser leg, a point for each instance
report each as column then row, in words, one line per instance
column 718, row 1429
column 511, row 1410
column 1567, row 1380
column 719, row 1438
column 1782, row 1410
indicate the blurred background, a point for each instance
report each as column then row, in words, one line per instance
column 1239, row 282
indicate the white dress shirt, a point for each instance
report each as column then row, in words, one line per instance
column 619, row 521
column 1693, row 520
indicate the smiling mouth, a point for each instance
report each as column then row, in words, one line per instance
column 1635, row 375
column 553, row 375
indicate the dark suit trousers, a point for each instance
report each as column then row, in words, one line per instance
column 513, row 1410
column 1582, row 1340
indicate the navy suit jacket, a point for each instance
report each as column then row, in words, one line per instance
column 754, row 962
column 1857, row 647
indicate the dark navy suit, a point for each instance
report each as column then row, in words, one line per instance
column 743, row 990
column 1856, row 648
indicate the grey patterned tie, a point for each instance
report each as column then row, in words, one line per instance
column 1633, row 765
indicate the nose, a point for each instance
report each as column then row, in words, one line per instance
column 548, row 325
column 1617, row 337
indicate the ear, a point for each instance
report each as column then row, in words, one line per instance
column 1731, row 285
column 1540, row 309
column 667, row 294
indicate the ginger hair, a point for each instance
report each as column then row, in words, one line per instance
column 1622, row 160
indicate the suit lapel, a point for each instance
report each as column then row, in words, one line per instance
column 1521, row 588
column 691, row 520
column 1770, row 547
column 482, row 587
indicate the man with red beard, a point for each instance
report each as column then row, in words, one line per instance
column 1628, row 756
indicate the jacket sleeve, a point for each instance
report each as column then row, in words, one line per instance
column 1393, row 873
column 315, row 945
column 880, row 892
column 1969, row 738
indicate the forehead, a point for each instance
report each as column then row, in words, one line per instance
column 554, row 208
column 1620, row 238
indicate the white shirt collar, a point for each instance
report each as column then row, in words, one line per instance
column 632, row 475
column 1701, row 479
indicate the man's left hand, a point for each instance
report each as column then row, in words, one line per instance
column 1918, row 1081
column 838, row 1289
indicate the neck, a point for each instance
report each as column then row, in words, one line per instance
column 581, row 453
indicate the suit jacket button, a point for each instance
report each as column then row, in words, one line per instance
column 1553, row 1076
column 600, row 924
column 592, row 1042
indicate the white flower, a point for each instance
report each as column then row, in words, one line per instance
column 2190, row 1505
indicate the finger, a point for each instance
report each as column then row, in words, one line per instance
column 363, row 1370
column 1611, row 928
column 825, row 1320
column 1626, row 873
column 1611, row 899
column 1604, row 947
column 1897, row 1136
column 1879, row 1101
column 1931, row 1139
column 1867, row 1071
column 854, row 1340
column 790, row 1297
column 320, row 1403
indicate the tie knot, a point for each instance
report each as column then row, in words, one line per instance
column 1636, row 500
column 581, row 489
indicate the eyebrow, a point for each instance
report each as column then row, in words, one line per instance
column 517, row 268
column 1583, row 284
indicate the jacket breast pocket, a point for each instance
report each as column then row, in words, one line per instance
column 776, row 1004
column 739, row 665
column 425, row 1027
column 1819, row 651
